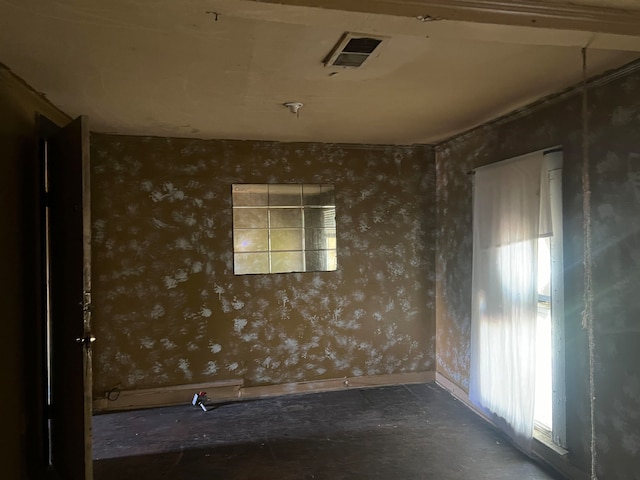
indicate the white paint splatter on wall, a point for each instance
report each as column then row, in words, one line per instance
column 210, row 369
column 183, row 365
column 164, row 265
column 239, row 324
column 156, row 312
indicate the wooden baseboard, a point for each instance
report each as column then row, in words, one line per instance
column 233, row 390
column 225, row 390
column 460, row 394
column 368, row 381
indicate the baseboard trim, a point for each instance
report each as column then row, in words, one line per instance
column 234, row 390
column 115, row 400
column 329, row 385
column 462, row 395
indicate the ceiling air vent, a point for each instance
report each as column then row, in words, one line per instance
column 352, row 50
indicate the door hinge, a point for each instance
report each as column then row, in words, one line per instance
column 86, row 302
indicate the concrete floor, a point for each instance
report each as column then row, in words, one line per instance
column 402, row 432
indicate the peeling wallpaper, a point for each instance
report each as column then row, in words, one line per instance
column 614, row 112
column 168, row 309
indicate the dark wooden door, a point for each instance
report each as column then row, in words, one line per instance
column 68, row 198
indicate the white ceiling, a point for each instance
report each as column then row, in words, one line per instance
column 169, row 68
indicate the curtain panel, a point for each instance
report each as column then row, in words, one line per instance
column 510, row 212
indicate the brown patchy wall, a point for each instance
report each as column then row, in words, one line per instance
column 19, row 280
column 168, row 309
column 615, row 169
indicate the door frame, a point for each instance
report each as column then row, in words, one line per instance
column 68, row 148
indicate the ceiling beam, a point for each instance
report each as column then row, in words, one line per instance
column 531, row 13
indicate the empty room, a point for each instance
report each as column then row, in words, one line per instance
column 320, row 240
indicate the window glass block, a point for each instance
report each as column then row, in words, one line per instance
column 320, row 217
column 286, row 239
column 250, row 263
column 320, row 238
column 249, row 194
column 282, row 262
column 251, row 240
column 320, row 195
column 250, row 218
column 286, row 217
column 285, row 194
column 321, row 260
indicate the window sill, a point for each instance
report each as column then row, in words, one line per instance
column 546, row 445
column 555, row 457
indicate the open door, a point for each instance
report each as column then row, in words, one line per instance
column 69, row 267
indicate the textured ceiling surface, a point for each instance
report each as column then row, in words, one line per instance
column 224, row 68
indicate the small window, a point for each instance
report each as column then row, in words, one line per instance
column 279, row 228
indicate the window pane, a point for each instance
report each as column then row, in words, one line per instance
column 250, row 263
column 250, row 218
column 286, row 217
column 320, row 238
column 286, row 239
column 249, row 194
column 332, row 259
column 285, row 194
column 320, row 217
column 544, row 268
column 250, row 240
column 311, row 194
column 287, row 262
column 319, row 195
column 321, row 260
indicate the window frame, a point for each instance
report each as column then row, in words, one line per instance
column 557, row 436
column 270, row 252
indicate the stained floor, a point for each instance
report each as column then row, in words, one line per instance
column 405, row 432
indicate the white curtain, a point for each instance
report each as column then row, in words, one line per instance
column 508, row 220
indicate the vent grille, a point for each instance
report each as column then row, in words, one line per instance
column 352, row 50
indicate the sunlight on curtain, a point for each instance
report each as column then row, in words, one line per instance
column 508, row 220
column 543, row 417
